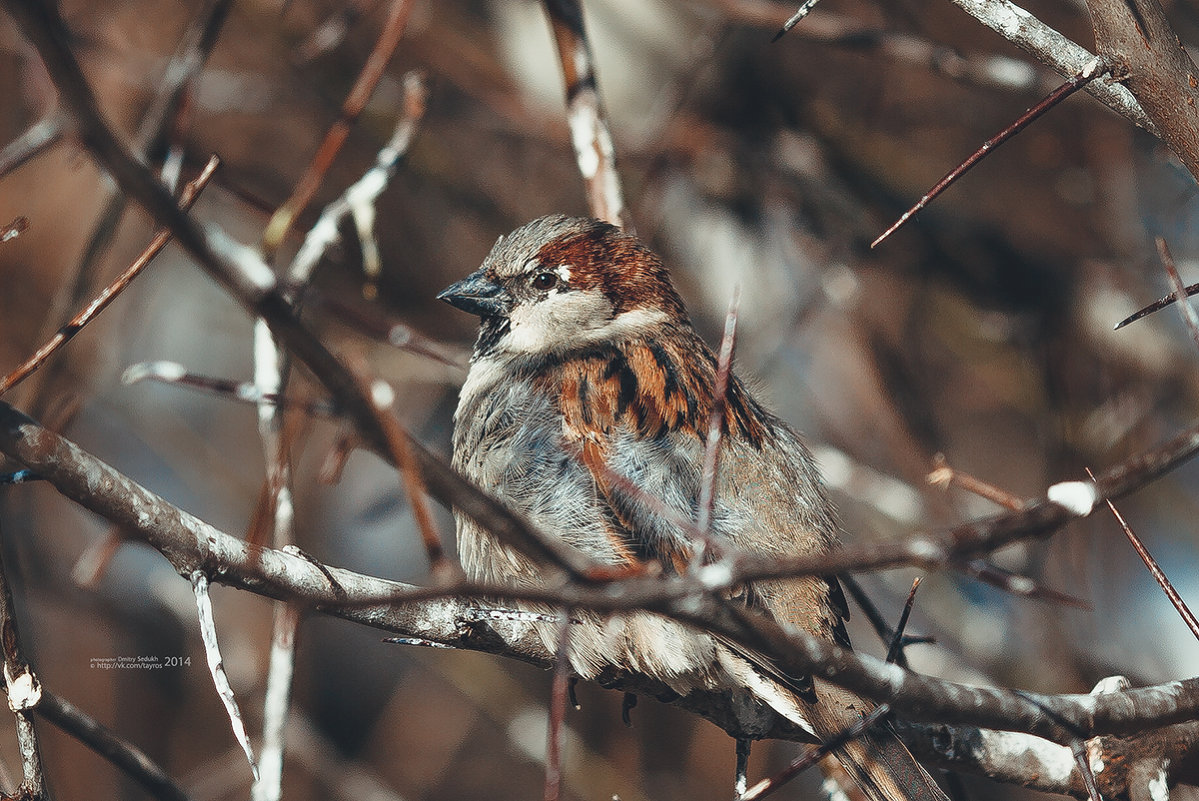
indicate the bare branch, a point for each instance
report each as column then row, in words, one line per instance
column 1055, row 51
column 589, row 130
column 217, row 668
column 1156, row 571
column 121, row 753
column 431, row 614
column 24, row 692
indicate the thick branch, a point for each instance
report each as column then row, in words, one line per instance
column 191, row 544
column 1136, row 35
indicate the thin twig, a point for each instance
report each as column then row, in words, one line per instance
column 559, row 694
column 945, row 476
column 359, row 199
column 589, row 130
column 1189, row 317
column 176, row 374
column 24, row 692
column 351, row 108
column 881, row 627
column 804, row 10
column 14, row 229
column 110, row 293
column 94, row 561
column 276, row 702
column 38, row 137
column 895, row 649
column 134, row 762
column 270, row 368
column 410, row 475
column 1156, row 571
column 1016, row 584
column 1157, row 305
column 217, row 668
column 1088, row 73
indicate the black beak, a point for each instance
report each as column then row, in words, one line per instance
column 477, row 294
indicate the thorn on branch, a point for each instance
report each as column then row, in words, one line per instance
column 1156, row 571
column 895, row 649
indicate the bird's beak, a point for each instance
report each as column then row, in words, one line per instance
column 477, row 294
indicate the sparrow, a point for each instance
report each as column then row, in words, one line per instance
column 586, row 409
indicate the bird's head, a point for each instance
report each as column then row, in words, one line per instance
column 560, row 284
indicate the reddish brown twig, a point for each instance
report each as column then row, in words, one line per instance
column 1155, row 570
column 1077, row 81
column 589, row 130
column 102, row 301
column 945, row 476
column 14, row 229
column 559, row 695
column 1158, row 305
column 355, row 102
column 410, row 474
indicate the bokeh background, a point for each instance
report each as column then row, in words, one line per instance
column 982, row 331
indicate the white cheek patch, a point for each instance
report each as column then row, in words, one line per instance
column 568, row 319
column 556, row 322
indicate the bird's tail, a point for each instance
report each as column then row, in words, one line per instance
column 880, row 765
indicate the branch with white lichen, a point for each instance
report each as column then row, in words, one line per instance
column 446, row 614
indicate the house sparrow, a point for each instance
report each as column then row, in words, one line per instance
column 587, row 367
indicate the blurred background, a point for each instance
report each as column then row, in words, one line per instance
column 982, row 331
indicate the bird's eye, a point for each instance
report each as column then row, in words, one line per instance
column 545, row 281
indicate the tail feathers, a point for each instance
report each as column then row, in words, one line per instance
column 884, row 770
column 877, row 762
